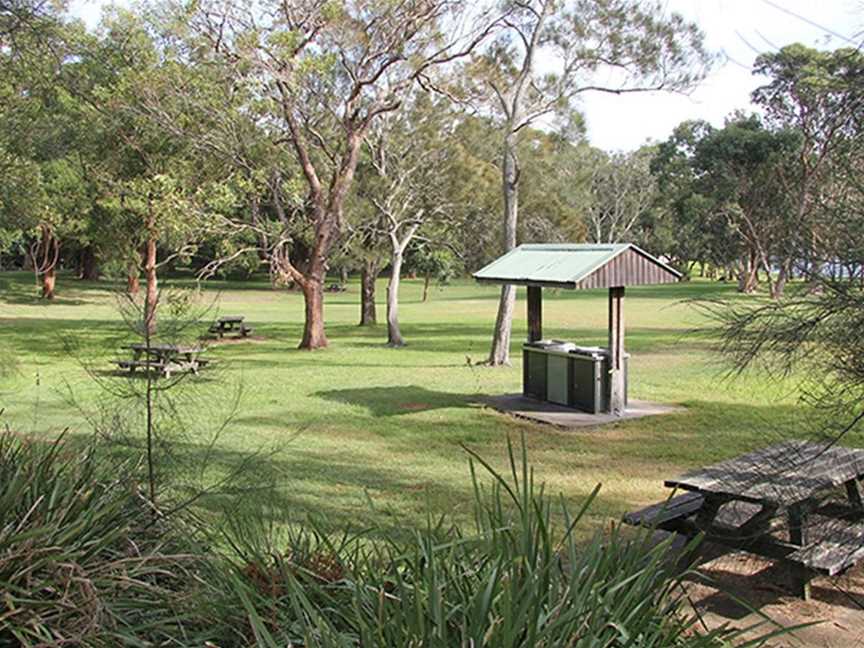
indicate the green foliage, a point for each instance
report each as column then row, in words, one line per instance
column 724, row 193
column 516, row 580
column 81, row 560
column 820, row 89
column 88, row 561
column 439, row 264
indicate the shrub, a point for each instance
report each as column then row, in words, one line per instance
column 86, row 561
column 82, row 561
column 516, row 581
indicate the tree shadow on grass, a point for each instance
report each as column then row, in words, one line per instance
column 32, row 298
column 19, row 288
column 395, row 401
column 469, row 338
column 389, row 500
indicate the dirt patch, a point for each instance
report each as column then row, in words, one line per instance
column 415, row 407
column 235, row 340
column 836, row 605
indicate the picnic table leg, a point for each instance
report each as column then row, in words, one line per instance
column 758, row 525
column 853, row 492
column 705, row 516
column 798, row 536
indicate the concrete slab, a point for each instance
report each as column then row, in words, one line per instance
column 538, row 411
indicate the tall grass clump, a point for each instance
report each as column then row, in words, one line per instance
column 86, row 560
column 518, row 579
column 83, row 559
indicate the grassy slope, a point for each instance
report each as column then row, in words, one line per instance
column 360, row 419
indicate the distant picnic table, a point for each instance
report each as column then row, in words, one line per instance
column 774, row 502
column 230, row 324
column 163, row 358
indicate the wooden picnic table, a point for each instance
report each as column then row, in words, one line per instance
column 772, row 502
column 165, row 351
column 230, row 324
column 165, row 358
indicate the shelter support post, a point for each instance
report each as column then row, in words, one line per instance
column 616, row 350
column 535, row 313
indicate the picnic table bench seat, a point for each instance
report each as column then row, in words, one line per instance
column 134, row 364
column 669, row 510
column 162, row 361
column 782, row 502
column 230, row 324
column 835, row 546
column 215, row 328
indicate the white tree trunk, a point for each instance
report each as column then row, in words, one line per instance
column 394, row 335
column 500, row 353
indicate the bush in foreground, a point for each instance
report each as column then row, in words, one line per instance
column 84, row 560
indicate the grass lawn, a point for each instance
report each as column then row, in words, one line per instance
column 360, row 433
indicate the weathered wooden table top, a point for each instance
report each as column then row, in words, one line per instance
column 782, row 474
column 165, row 348
column 230, row 319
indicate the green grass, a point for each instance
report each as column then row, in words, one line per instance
column 360, row 433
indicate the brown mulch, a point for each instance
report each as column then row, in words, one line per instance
column 836, row 604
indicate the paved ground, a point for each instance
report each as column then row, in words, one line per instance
column 565, row 417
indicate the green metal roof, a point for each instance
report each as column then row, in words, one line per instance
column 569, row 265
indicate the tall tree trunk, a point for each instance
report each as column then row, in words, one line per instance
column 368, row 275
column 133, row 285
column 426, row 281
column 46, row 255
column 89, row 270
column 314, row 336
column 49, row 278
column 151, row 297
column 748, row 277
column 500, row 352
column 779, row 287
column 343, row 277
column 394, row 335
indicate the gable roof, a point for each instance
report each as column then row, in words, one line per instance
column 585, row 265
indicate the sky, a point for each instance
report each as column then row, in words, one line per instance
column 737, row 29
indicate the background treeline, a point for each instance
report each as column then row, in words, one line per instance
column 198, row 137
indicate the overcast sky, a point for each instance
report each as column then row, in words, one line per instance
column 738, row 29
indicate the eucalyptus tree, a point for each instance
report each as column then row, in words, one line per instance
column 475, row 189
column 622, row 190
column 819, row 95
column 148, row 182
column 19, row 17
column 683, row 226
column 553, row 199
column 740, row 167
column 326, row 71
column 45, row 190
column 815, row 336
column 406, row 183
column 548, row 53
column 365, row 242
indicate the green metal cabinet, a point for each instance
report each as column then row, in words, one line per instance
column 568, row 375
